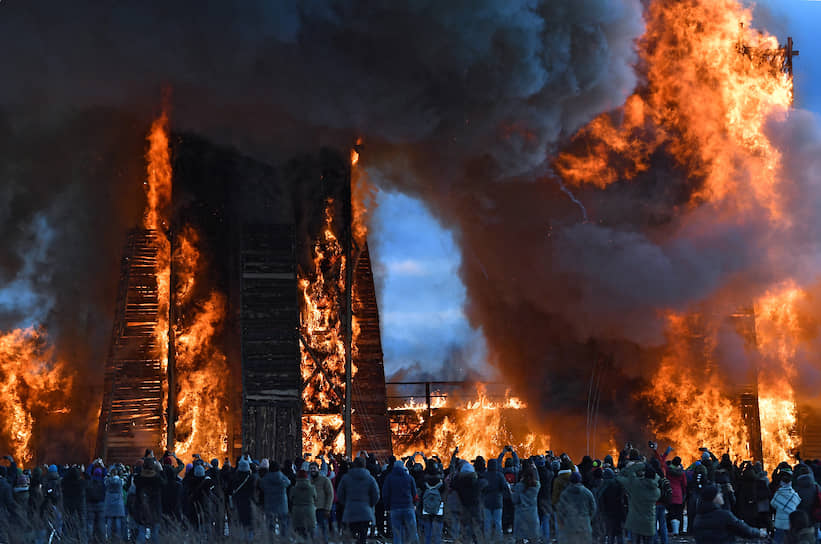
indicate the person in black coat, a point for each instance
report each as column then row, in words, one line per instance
column 717, row 525
column 243, row 491
column 171, row 494
column 74, row 501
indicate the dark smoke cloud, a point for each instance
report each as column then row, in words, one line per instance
column 460, row 104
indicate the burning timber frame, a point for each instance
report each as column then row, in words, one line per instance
column 248, row 215
column 132, row 409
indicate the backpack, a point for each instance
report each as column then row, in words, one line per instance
column 432, row 504
column 96, row 491
column 666, row 497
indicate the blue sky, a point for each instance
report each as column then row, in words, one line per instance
column 421, row 295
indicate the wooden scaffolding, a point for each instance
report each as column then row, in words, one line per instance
column 131, row 417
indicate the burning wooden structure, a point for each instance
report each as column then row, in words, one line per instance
column 250, row 230
column 132, row 412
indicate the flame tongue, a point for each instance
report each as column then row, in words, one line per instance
column 32, row 383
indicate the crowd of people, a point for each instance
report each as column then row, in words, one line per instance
column 637, row 498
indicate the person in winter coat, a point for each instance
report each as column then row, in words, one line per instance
column 199, row 498
column 526, row 508
column 50, row 512
column 494, row 491
column 74, row 502
column 545, row 498
column 678, row 483
column 804, row 484
column 433, row 508
column 753, row 497
column 303, row 510
column 784, row 502
column 575, row 511
column 466, row 484
column 359, row 493
column 324, row 500
column 610, row 499
column 275, row 498
column 641, row 484
column 398, row 494
column 113, row 505
column 172, row 493
column 95, row 499
column 801, row 530
column 717, row 525
column 243, row 489
column 562, row 480
column 148, row 486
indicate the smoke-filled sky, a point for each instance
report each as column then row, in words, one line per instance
column 422, row 296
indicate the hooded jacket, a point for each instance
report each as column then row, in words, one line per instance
column 807, row 489
column 678, row 481
column 399, row 490
column 716, row 525
column 642, row 494
column 359, row 493
column 496, row 487
column 575, row 511
column 561, row 481
column 275, row 493
column 785, row 501
column 303, row 499
column 526, row 514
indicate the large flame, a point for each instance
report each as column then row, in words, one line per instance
column 322, row 341
column 200, row 366
column 478, row 425
column 158, row 196
column 713, row 83
column 32, row 383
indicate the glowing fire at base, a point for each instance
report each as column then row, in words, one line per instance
column 32, row 384
column 479, row 426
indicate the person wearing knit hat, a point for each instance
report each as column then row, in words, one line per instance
column 243, row 490
column 264, row 464
column 716, row 524
column 575, row 511
column 641, row 483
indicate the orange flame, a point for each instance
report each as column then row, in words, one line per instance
column 158, row 195
column 322, row 345
column 32, row 383
column 713, row 83
column 363, row 196
column 478, row 426
column 200, row 366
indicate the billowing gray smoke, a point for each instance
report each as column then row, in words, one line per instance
column 460, row 103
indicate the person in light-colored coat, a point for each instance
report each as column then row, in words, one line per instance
column 575, row 511
column 641, row 484
column 524, row 496
column 114, row 504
